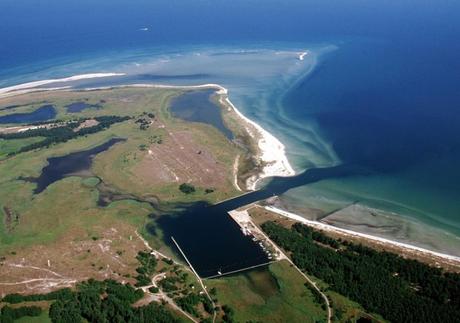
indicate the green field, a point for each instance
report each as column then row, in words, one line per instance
column 274, row 295
column 47, row 216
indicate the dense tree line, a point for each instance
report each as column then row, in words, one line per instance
column 61, row 134
column 400, row 290
column 18, row 298
column 105, row 302
column 9, row 314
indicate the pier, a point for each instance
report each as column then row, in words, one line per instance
column 239, row 270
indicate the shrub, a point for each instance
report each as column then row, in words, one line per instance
column 187, row 188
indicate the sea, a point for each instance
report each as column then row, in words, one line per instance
column 372, row 85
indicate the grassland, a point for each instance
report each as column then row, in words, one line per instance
column 62, row 229
column 276, row 294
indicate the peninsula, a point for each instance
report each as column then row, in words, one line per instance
column 97, row 183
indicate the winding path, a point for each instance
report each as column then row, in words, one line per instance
column 163, row 295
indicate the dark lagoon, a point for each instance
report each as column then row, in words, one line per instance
column 46, row 112
column 213, row 241
column 68, row 165
column 197, row 106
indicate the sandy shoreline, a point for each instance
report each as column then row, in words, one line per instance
column 344, row 232
column 272, row 154
column 272, row 151
column 24, row 86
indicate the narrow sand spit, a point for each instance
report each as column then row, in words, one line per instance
column 30, row 85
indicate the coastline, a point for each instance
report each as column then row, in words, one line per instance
column 405, row 248
column 271, row 153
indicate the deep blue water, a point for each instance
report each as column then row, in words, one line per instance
column 383, row 106
column 43, row 113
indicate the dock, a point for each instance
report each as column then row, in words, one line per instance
column 238, row 270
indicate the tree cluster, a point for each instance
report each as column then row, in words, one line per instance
column 102, row 302
column 9, row 314
column 61, row 134
column 168, row 284
column 399, row 289
column 187, row 188
column 189, row 303
column 146, row 269
column 229, row 314
column 144, row 123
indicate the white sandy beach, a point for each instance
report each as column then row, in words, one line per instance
column 272, row 151
column 345, row 232
column 30, row 85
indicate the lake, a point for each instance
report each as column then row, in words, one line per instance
column 68, row 165
column 197, row 106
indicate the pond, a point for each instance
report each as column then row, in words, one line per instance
column 45, row 112
column 79, row 106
